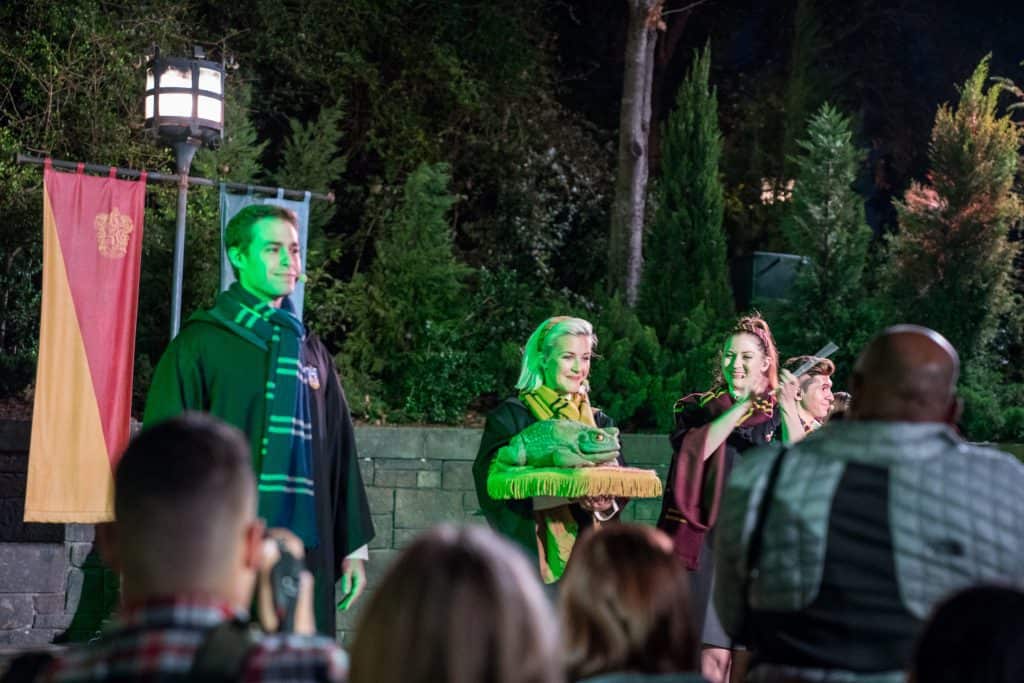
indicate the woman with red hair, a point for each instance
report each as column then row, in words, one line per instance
column 748, row 406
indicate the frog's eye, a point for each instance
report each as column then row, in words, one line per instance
column 600, row 437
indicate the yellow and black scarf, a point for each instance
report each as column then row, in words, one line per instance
column 557, row 529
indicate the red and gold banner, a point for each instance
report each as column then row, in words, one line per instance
column 92, row 247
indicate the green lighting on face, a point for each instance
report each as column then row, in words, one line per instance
column 270, row 267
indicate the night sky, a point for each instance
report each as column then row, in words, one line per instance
column 887, row 64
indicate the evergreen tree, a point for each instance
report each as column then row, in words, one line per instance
column 311, row 159
column 826, row 224
column 686, row 249
column 951, row 260
column 413, row 288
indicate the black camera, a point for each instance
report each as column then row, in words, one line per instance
column 285, row 578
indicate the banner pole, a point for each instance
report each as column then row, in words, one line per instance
column 184, row 151
column 153, row 177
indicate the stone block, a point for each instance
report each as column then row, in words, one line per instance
column 32, row 567
column 379, row 562
column 80, row 533
column 50, row 603
column 394, row 473
column 15, row 435
column 458, row 475
column 12, row 485
column 389, row 442
column 428, row 479
column 423, row 508
column 58, row 621
column 395, row 478
column 73, row 596
column 382, row 525
column 381, row 500
column 451, row 443
column 16, row 611
column 78, row 553
column 642, row 450
column 366, row 469
column 469, row 502
column 419, row 464
column 404, row 537
column 14, row 530
column 13, row 462
column 27, row 637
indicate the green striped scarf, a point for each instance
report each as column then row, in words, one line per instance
column 286, row 448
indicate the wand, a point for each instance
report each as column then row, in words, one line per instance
column 824, row 352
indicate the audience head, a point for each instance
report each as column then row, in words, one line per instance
column 907, row 373
column 185, row 504
column 815, row 400
column 624, row 605
column 976, row 636
column 750, row 360
column 460, row 605
column 557, row 355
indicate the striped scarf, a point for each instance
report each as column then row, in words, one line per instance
column 286, row 448
column 557, row 528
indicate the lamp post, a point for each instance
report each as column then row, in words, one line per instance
column 185, row 109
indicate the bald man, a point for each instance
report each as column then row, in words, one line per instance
column 870, row 522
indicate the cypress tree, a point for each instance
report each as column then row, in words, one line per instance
column 414, row 284
column 686, row 248
column 826, row 224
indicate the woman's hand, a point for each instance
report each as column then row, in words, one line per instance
column 721, row 427
column 788, row 391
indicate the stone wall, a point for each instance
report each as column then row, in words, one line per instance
column 45, row 569
column 418, row 477
column 51, row 580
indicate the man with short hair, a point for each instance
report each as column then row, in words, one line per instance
column 188, row 545
column 251, row 362
column 869, row 522
column 814, row 403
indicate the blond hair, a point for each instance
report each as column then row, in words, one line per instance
column 542, row 341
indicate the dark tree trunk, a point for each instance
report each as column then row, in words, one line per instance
column 627, row 229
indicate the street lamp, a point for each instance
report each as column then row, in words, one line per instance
column 185, row 109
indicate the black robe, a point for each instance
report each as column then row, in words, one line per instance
column 209, row 368
column 694, row 415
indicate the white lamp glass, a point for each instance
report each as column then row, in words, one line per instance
column 174, row 77
column 210, row 109
column 176, row 104
column 210, row 80
column 149, row 106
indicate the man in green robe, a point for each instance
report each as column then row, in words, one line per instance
column 250, row 362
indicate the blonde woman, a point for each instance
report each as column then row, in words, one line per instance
column 552, row 385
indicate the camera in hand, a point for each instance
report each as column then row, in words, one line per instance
column 285, row 578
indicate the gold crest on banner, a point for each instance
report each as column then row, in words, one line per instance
column 112, row 233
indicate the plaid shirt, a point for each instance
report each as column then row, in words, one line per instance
column 157, row 641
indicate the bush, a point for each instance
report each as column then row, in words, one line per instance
column 415, row 281
column 444, row 378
